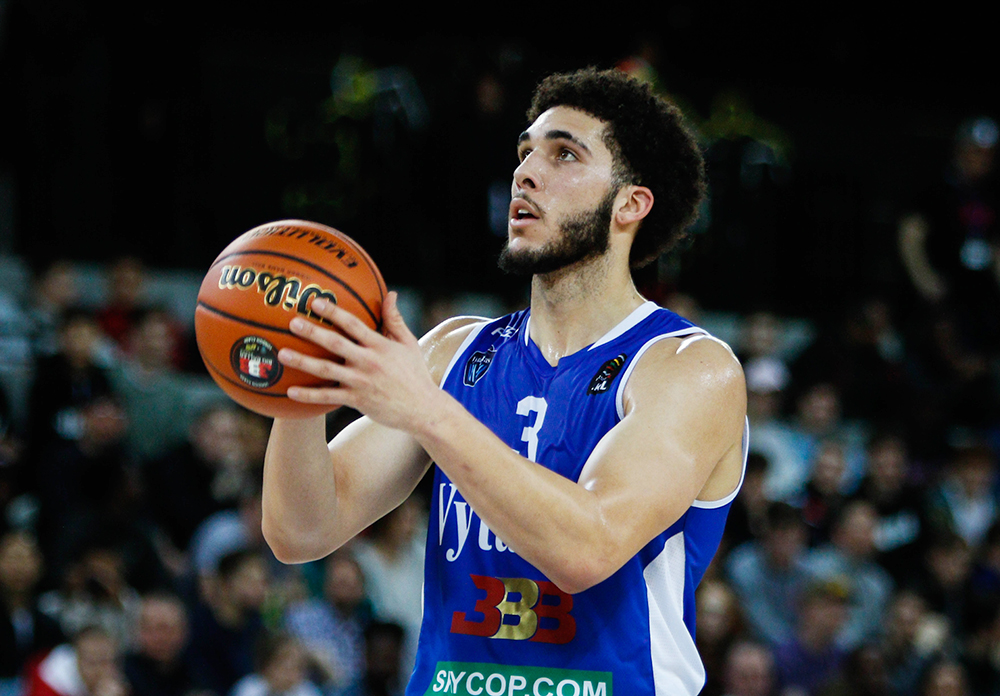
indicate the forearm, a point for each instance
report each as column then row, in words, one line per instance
column 299, row 489
column 552, row 522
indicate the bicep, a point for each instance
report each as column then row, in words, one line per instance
column 686, row 414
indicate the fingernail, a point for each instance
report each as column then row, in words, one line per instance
column 319, row 303
column 298, row 324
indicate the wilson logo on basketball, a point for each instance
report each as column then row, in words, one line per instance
column 278, row 290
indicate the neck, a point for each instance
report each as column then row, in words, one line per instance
column 573, row 307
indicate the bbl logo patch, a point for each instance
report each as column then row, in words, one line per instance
column 477, row 365
column 606, row 375
column 255, row 362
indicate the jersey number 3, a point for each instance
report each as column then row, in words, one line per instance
column 525, row 407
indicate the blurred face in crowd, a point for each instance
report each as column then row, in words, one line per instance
column 20, row 563
column 163, row 629
column 887, row 464
column 819, row 408
column 216, row 436
column 946, row 679
column 717, row 612
column 784, row 544
column 345, row 585
column 286, row 668
column 105, row 422
column 855, row 532
column 975, row 473
column 97, row 660
column 749, row 671
column 828, row 468
column 79, row 340
column 248, row 583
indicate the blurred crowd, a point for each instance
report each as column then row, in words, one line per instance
column 861, row 557
column 131, row 554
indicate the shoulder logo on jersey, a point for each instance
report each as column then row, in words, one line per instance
column 606, row 375
column 477, row 365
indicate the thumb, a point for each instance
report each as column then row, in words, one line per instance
column 393, row 324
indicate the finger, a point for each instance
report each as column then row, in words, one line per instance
column 318, row 367
column 393, row 322
column 333, row 341
column 337, row 396
column 348, row 323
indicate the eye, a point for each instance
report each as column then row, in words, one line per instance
column 566, row 155
column 521, row 154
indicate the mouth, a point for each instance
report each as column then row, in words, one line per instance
column 522, row 212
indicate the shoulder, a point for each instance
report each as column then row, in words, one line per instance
column 441, row 343
column 677, row 365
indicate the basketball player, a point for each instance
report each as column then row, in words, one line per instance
column 587, row 448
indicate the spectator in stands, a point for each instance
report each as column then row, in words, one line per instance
column 769, row 575
column 202, row 475
column 944, row 580
column 964, row 501
column 720, row 625
column 86, row 483
column 332, row 627
column 824, row 491
column 282, row 670
column 392, row 559
column 56, row 289
column 24, row 630
column 151, row 388
column 160, row 664
column 811, row 658
column 89, row 666
column 748, row 514
column 67, row 380
column 947, row 677
column 227, row 622
column 849, row 559
column 94, row 592
column 913, row 637
column 749, row 670
column 384, row 659
column 864, row 673
column 898, row 502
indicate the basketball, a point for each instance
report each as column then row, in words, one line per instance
column 251, row 292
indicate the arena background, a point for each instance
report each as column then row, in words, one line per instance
column 166, row 131
column 162, row 131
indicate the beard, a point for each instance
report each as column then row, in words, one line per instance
column 584, row 236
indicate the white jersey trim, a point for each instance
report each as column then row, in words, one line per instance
column 619, row 396
column 462, row 348
column 677, row 666
column 722, row 502
column 637, row 315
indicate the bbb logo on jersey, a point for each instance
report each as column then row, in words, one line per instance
column 606, row 375
column 477, row 365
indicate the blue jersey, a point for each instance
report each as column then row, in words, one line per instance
column 493, row 623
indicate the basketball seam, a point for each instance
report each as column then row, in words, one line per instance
column 378, row 323
column 242, row 320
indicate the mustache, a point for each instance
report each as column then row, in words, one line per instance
column 525, row 197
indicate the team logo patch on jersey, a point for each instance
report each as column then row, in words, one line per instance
column 477, row 365
column 606, row 375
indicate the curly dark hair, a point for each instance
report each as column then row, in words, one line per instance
column 650, row 145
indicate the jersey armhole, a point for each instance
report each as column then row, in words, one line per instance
column 693, row 332
column 461, row 349
column 722, row 502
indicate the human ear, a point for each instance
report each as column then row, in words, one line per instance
column 634, row 204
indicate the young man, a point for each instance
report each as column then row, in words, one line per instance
column 587, row 449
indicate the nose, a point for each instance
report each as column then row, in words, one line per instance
column 526, row 175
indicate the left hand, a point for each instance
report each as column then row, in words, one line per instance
column 383, row 377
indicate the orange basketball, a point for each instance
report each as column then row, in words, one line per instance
column 254, row 288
